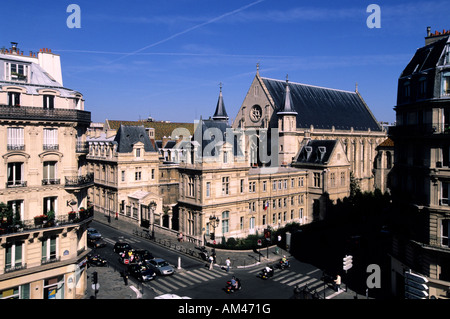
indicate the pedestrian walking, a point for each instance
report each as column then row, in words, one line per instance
column 211, row 261
column 337, row 283
column 228, row 263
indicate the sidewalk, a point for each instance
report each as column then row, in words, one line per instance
column 114, row 287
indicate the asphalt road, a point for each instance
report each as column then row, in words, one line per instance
column 196, row 281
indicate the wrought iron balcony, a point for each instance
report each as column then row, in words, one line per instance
column 79, row 181
column 38, row 113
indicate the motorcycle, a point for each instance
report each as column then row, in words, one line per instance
column 229, row 288
column 283, row 265
column 96, row 261
column 203, row 253
column 265, row 274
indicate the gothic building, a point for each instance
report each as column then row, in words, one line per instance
column 303, row 112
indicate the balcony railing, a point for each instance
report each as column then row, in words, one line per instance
column 50, row 147
column 15, row 147
column 420, row 129
column 79, row 181
column 12, row 184
column 51, row 181
column 59, row 221
column 38, row 113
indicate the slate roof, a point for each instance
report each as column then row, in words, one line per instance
column 220, row 113
column 322, row 107
column 316, row 152
column 127, row 136
column 162, row 129
column 426, row 57
column 39, row 78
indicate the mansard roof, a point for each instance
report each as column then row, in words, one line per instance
column 316, row 152
column 127, row 136
column 426, row 57
column 324, row 108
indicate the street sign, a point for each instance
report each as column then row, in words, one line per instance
column 417, row 278
column 259, row 242
column 347, row 262
column 415, row 286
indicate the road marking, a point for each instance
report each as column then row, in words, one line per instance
column 313, row 271
column 138, row 293
column 109, row 241
column 178, row 282
column 195, row 275
column 291, row 278
column 335, row 294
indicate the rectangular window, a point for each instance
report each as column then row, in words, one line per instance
column 13, row 256
column 264, row 186
column 50, row 204
column 49, row 101
column 445, row 232
column 342, row 178
column 13, row 99
column 15, row 175
column 332, row 179
column 15, row 139
column 316, row 180
column 274, row 185
column 138, row 152
column 51, row 139
column 122, row 176
column 252, row 223
column 242, row 186
column 444, row 193
column 138, row 174
column 225, row 185
column 49, row 174
column 153, row 173
column 292, row 183
column 49, row 249
column 225, row 217
column 264, row 219
column 208, row 189
column 241, row 223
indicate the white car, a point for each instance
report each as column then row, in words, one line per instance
column 160, row 266
column 171, row 296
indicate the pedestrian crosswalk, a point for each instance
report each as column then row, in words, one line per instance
column 183, row 279
column 292, row 279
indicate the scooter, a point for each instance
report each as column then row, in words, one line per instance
column 229, row 288
column 96, row 260
column 283, row 265
column 265, row 274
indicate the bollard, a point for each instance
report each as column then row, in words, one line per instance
column 179, row 262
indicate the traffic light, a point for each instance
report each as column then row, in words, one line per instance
column 95, row 277
column 211, row 236
column 347, row 262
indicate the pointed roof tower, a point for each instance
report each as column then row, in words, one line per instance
column 221, row 113
column 288, row 106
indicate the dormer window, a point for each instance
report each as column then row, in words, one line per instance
column 17, row 72
column 446, row 84
column 13, row 99
column 49, row 101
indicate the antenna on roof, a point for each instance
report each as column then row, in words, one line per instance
column 257, row 68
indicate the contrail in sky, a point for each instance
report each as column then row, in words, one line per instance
column 188, row 30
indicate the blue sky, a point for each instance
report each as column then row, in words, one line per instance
column 136, row 58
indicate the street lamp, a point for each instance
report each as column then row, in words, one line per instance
column 214, row 222
column 152, row 208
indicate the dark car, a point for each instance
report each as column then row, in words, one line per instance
column 143, row 255
column 96, row 260
column 141, row 272
column 92, row 233
column 96, row 242
column 121, row 247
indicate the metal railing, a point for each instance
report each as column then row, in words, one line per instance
column 38, row 113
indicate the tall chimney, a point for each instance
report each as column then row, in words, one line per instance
column 428, row 31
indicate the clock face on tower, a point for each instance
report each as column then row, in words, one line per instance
column 255, row 113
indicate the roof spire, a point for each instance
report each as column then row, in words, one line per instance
column 288, row 107
column 221, row 113
column 257, row 68
column 356, row 87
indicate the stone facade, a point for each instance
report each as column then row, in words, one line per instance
column 43, row 126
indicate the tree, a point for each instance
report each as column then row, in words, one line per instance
column 354, row 186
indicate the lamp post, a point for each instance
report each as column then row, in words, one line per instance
column 152, row 208
column 214, row 222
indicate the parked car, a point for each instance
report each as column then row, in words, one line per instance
column 121, row 246
column 96, row 242
column 141, row 272
column 160, row 266
column 93, row 233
